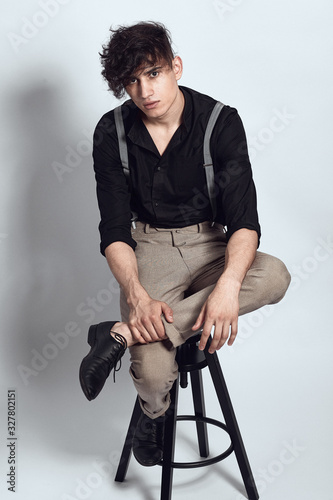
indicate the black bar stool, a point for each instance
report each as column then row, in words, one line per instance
column 191, row 360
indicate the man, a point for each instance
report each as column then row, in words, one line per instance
column 179, row 274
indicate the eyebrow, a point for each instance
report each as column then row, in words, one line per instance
column 147, row 71
column 152, row 69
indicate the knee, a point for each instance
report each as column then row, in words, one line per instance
column 277, row 281
column 154, row 379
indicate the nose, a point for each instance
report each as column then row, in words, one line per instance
column 146, row 89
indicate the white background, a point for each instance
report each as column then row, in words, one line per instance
column 265, row 58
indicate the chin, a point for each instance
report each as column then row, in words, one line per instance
column 153, row 113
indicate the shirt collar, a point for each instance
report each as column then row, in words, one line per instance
column 188, row 108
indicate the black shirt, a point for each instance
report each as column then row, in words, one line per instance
column 170, row 190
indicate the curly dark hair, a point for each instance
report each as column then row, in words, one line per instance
column 131, row 46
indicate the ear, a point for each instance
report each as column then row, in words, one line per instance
column 177, row 66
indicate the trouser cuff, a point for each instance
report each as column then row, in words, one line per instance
column 158, row 413
column 173, row 334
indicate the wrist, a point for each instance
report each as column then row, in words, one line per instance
column 135, row 293
column 230, row 281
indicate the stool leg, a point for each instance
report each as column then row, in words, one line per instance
column 169, row 444
column 127, row 449
column 183, row 380
column 231, row 423
column 199, row 411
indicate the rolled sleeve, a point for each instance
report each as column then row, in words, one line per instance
column 113, row 193
column 236, row 198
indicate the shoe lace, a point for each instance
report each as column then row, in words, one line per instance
column 117, row 366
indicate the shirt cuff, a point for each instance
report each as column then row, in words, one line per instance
column 112, row 239
column 253, row 227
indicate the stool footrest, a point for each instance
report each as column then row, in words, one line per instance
column 207, row 461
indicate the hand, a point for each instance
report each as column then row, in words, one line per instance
column 221, row 311
column 145, row 320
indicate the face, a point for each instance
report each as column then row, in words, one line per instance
column 154, row 89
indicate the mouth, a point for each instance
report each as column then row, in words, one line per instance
column 151, row 105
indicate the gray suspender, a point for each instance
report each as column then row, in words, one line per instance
column 208, row 162
column 118, row 116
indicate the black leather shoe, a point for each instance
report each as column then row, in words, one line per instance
column 103, row 356
column 148, row 440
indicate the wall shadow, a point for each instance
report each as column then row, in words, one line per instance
column 55, row 268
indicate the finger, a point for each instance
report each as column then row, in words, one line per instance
column 216, row 338
column 137, row 335
column 141, row 331
column 168, row 312
column 205, row 335
column 148, row 329
column 224, row 335
column 234, row 330
column 159, row 328
column 200, row 319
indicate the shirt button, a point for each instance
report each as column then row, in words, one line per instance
column 156, row 204
column 158, row 168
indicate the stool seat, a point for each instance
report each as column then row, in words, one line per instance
column 191, row 361
column 189, row 357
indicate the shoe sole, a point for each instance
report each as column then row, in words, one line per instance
column 91, row 341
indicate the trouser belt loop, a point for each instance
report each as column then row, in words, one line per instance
column 147, row 228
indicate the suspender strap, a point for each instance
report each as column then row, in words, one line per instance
column 122, row 140
column 208, row 162
column 118, row 116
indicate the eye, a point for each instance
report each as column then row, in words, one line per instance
column 132, row 81
column 154, row 74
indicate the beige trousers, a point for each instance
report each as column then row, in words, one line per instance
column 181, row 267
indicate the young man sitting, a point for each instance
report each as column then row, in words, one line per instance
column 179, row 274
